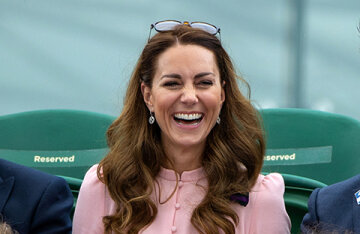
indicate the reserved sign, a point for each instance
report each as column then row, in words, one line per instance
column 69, row 158
column 298, row 156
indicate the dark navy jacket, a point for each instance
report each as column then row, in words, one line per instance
column 334, row 208
column 32, row 201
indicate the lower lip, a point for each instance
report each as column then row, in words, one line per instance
column 188, row 126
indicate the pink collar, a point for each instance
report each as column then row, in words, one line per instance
column 186, row 176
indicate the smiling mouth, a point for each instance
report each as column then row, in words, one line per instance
column 189, row 119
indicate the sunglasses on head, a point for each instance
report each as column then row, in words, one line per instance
column 168, row 25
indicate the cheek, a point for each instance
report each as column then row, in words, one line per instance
column 213, row 100
column 163, row 102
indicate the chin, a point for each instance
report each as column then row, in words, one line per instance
column 189, row 142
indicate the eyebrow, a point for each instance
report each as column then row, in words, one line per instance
column 177, row 76
column 171, row 75
column 203, row 74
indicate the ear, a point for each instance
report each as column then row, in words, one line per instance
column 146, row 92
column 222, row 92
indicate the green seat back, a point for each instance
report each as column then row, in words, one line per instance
column 61, row 142
column 297, row 192
column 318, row 145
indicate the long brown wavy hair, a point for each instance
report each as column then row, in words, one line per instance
column 232, row 159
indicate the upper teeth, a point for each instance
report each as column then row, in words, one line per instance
column 188, row 116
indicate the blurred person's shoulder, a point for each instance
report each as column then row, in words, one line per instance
column 341, row 187
column 324, row 204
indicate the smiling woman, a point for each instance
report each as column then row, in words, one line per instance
column 186, row 97
column 187, row 150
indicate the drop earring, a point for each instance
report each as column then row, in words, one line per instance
column 151, row 118
column 218, row 120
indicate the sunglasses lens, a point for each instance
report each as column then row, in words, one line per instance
column 206, row 27
column 163, row 26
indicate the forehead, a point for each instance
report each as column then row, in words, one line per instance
column 189, row 57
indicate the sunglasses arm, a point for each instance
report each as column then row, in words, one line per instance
column 151, row 27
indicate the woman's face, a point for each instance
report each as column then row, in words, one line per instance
column 186, row 95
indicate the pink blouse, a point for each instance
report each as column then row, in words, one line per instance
column 265, row 212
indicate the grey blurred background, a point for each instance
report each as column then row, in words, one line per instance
column 77, row 54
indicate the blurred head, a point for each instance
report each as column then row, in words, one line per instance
column 6, row 229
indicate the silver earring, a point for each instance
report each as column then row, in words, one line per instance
column 151, row 118
column 218, row 120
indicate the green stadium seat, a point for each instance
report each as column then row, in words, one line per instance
column 297, row 192
column 318, row 145
column 60, row 142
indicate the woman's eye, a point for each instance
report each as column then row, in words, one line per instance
column 206, row 83
column 171, row 84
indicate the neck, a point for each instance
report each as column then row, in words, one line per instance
column 183, row 158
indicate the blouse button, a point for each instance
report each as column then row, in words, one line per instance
column 173, row 229
column 177, row 206
column 181, row 184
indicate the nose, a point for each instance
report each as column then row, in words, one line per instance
column 189, row 96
